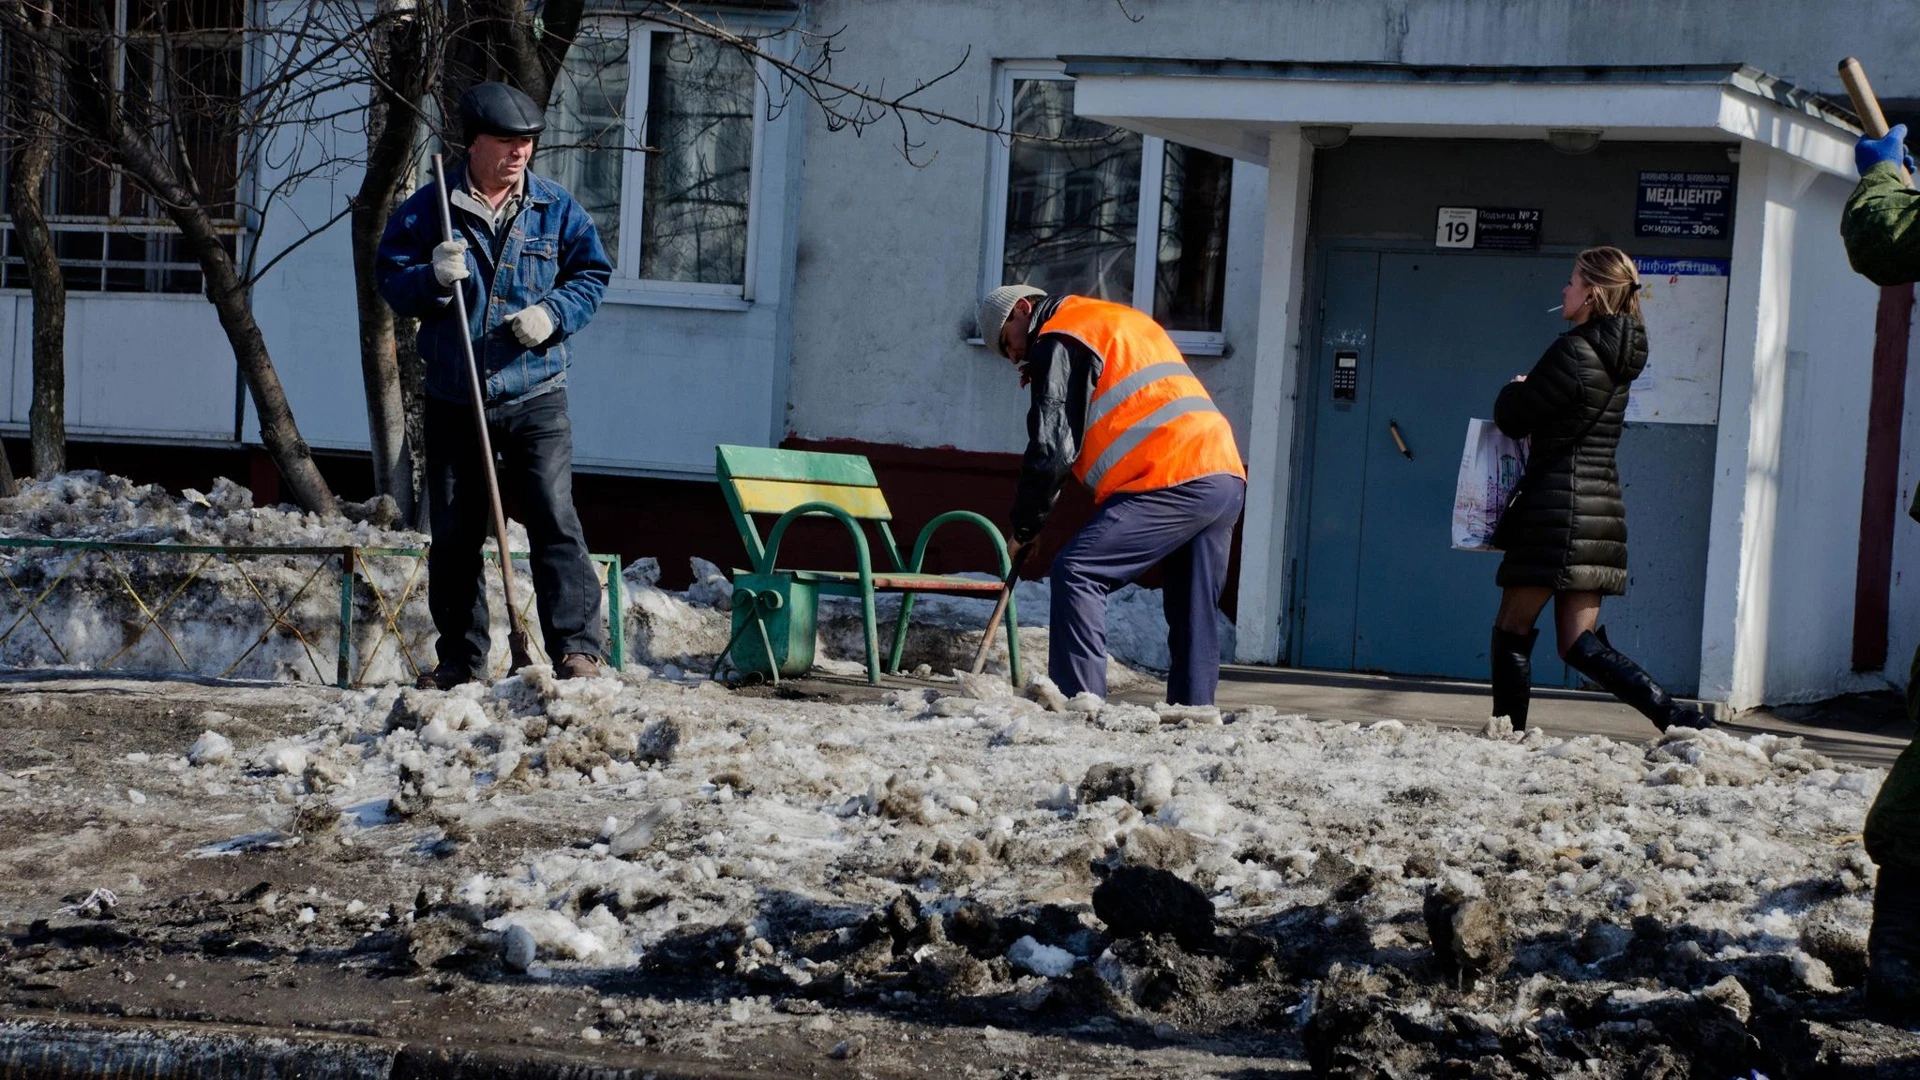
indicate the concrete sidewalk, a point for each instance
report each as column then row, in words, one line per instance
column 1866, row 729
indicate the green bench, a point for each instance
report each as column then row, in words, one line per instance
column 793, row 484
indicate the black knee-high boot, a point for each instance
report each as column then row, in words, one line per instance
column 1513, row 675
column 1592, row 656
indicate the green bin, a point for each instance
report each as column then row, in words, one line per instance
column 788, row 610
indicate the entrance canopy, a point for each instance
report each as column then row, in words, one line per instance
column 1233, row 107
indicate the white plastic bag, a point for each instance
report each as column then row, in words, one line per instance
column 1490, row 469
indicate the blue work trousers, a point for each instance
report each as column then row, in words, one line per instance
column 1188, row 530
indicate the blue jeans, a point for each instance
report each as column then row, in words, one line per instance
column 1188, row 530
column 534, row 441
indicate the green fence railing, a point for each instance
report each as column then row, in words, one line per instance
column 350, row 561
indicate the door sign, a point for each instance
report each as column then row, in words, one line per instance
column 1456, row 227
column 1488, row 228
column 1684, row 303
column 1693, row 206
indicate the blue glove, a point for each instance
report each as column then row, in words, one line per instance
column 1889, row 147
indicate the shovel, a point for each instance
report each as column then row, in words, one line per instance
column 999, row 611
column 516, row 637
column 1866, row 106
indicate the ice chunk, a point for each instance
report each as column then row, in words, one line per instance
column 211, row 748
column 1049, row 960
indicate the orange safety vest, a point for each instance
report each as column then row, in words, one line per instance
column 1151, row 424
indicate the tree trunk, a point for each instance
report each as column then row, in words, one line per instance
column 229, row 297
column 31, row 90
column 402, row 78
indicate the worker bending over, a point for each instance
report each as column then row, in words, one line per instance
column 1115, row 405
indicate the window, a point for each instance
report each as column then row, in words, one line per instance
column 673, row 194
column 182, row 61
column 1084, row 208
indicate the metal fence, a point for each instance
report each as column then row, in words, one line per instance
column 152, row 607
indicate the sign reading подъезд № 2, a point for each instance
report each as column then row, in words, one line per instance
column 1683, row 205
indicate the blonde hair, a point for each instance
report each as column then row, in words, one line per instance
column 1612, row 278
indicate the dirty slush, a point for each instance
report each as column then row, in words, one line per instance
column 957, row 879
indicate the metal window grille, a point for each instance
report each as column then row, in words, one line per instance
column 179, row 62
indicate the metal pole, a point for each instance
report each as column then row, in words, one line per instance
column 516, row 637
column 343, row 675
column 616, row 618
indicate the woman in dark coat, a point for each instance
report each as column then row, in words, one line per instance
column 1565, row 534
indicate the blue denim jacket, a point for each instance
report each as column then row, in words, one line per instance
column 551, row 255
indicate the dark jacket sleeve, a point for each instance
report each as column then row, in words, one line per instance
column 1881, row 227
column 1063, row 375
column 1551, row 389
column 404, row 264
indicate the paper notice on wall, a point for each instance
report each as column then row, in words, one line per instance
column 1684, row 302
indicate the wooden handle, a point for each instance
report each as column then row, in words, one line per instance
column 993, row 627
column 1865, row 105
column 516, row 637
column 1000, row 609
column 1867, row 108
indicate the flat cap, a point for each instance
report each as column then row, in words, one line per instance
column 494, row 108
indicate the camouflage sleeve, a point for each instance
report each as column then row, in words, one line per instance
column 1881, row 227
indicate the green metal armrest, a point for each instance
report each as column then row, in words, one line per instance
column 803, row 510
column 1006, row 571
column 926, row 534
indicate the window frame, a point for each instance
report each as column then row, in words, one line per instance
column 625, row 286
column 1153, row 157
column 241, row 227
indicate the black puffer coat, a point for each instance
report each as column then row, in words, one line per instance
column 1568, row 529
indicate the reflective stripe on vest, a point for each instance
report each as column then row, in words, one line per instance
column 1151, row 423
column 1130, row 439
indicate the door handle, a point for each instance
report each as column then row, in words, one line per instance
column 1393, row 428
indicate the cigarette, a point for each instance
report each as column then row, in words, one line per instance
column 1555, row 307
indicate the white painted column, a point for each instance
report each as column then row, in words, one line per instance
column 1264, row 578
column 1747, row 457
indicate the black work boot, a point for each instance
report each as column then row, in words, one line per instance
column 1591, row 655
column 1893, row 948
column 444, row 677
column 1513, row 675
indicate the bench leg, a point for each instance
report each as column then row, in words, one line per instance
column 873, row 634
column 1013, row 646
column 900, row 634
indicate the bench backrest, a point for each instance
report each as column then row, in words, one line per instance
column 759, row 480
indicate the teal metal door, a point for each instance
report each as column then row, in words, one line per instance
column 1411, row 347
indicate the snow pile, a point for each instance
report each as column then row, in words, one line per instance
column 950, row 844
column 216, row 616
column 274, row 617
column 944, row 631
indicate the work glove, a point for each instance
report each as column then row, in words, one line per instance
column 532, row 325
column 1889, row 147
column 450, row 262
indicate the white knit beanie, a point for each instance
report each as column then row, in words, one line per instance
column 994, row 310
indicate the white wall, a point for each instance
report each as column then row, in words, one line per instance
column 138, row 367
column 1823, row 439
column 1791, row 448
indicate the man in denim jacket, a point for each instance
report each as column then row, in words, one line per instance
column 533, row 272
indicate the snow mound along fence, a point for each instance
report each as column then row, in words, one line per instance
column 266, row 611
